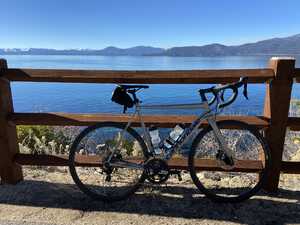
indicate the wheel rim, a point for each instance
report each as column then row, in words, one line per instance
column 100, row 182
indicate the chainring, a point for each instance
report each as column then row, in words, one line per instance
column 157, row 171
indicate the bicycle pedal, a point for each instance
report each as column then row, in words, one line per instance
column 178, row 174
column 179, row 177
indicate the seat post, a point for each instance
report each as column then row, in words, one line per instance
column 135, row 99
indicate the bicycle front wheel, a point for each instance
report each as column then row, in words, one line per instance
column 95, row 144
column 223, row 182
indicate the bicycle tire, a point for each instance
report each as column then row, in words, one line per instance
column 262, row 177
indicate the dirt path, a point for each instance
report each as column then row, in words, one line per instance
column 51, row 198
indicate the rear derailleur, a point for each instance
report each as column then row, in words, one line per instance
column 107, row 168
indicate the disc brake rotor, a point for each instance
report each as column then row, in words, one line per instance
column 225, row 162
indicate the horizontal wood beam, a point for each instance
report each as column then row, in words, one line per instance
column 290, row 167
column 64, row 119
column 297, row 75
column 96, row 161
column 147, row 77
column 175, row 163
column 294, row 123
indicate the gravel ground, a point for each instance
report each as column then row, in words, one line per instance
column 50, row 197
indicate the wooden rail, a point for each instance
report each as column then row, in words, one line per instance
column 278, row 77
column 10, row 172
column 277, row 105
column 150, row 77
column 175, row 163
column 95, row 161
column 297, row 75
column 64, row 119
column 294, row 123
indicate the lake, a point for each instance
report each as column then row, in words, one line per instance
column 94, row 98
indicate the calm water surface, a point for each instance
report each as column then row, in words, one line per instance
column 92, row 98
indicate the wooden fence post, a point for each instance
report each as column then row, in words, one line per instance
column 277, row 104
column 9, row 171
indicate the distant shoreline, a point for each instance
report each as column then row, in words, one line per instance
column 252, row 55
column 275, row 46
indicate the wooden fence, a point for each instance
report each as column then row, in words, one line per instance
column 278, row 76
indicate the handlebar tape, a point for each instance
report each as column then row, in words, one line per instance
column 216, row 91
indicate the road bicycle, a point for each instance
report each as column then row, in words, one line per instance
column 228, row 160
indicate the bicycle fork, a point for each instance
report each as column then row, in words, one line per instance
column 221, row 140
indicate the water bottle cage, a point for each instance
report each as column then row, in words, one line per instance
column 169, row 142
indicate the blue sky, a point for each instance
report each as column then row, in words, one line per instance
column 126, row 23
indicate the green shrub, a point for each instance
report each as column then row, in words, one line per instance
column 42, row 140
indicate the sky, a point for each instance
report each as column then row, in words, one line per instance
column 95, row 24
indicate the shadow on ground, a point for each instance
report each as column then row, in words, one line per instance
column 170, row 202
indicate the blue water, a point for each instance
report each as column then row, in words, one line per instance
column 92, row 98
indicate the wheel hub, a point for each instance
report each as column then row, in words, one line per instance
column 224, row 161
column 106, row 168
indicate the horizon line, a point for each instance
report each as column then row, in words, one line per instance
column 164, row 48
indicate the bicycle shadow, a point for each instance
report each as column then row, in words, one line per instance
column 172, row 201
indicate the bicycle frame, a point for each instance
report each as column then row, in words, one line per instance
column 208, row 114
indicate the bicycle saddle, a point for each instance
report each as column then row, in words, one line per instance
column 125, row 87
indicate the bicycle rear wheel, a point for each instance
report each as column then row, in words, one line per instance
column 95, row 144
column 216, row 179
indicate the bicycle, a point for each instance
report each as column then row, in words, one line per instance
column 218, row 158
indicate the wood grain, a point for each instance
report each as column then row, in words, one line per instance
column 96, row 161
column 65, row 119
column 175, row 163
column 297, row 75
column 294, row 123
column 143, row 77
column 9, row 171
column 290, row 167
column 277, row 104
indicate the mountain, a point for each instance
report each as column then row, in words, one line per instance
column 134, row 51
column 289, row 45
column 109, row 51
column 205, row 50
column 279, row 46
